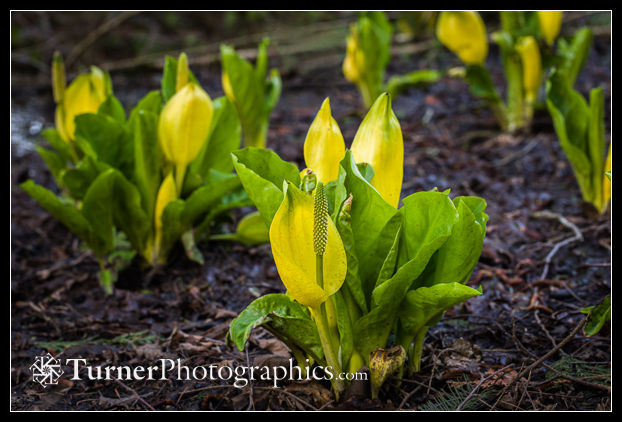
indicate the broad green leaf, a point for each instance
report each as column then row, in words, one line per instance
column 343, row 222
column 57, row 143
column 108, row 141
column 428, row 221
column 248, row 92
column 113, row 108
column 152, row 102
column 147, row 158
column 79, row 178
column 571, row 115
column 262, row 173
column 66, row 213
column 344, row 324
column 455, row 260
column 224, row 137
column 370, row 213
column 424, row 307
column 179, row 215
column 112, row 201
column 55, row 163
column 289, row 320
column 574, row 54
column 480, row 83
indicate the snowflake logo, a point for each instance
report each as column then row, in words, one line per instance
column 46, row 370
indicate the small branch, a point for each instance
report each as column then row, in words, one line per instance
column 543, row 358
column 97, row 33
column 131, row 390
column 563, row 220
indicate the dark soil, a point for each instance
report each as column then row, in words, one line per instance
column 472, row 358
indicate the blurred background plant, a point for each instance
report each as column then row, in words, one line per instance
column 368, row 52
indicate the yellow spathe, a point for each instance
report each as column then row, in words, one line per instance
column 324, row 146
column 550, row 24
column 464, row 33
column 379, row 142
column 529, row 53
column 84, row 95
column 291, row 239
column 184, row 124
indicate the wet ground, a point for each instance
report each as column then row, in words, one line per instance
column 474, row 359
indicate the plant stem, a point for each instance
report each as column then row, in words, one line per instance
column 415, row 351
column 180, row 173
column 319, row 314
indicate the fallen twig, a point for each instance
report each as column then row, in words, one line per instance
column 563, row 220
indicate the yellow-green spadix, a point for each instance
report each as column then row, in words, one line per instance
column 292, row 242
column 324, row 146
column 379, row 142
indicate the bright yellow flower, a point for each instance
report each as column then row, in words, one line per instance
column 354, row 63
column 529, row 52
column 324, row 146
column 379, row 142
column 184, row 124
column 292, row 242
column 550, row 24
column 183, row 127
column 84, row 95
column 463, row 33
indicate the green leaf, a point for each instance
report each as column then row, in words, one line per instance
column 289, row 320
column 169, row 78
column 224, row 137
column 370, row 213
column 79, row 179
column 455, row 260
column 248, row 88
column 113, row 108
column 147, row 158
column 424, row 307
column 374, row 35
column 596, row 144
column 55, row 163
column 598, row 316
column 574, row 54
column 428, row 221
column 344, row 325
column 112, row 201
column 262, row 173
column 66, row 213
column 251, row 230
column 571, row 119
column 152, row 102
column 400, row 83
column 56, row 142
column 179, row 215
column 353, row 280
column 480, row 83
column 106, row 140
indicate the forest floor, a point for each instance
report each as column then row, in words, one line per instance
column 479, row 357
